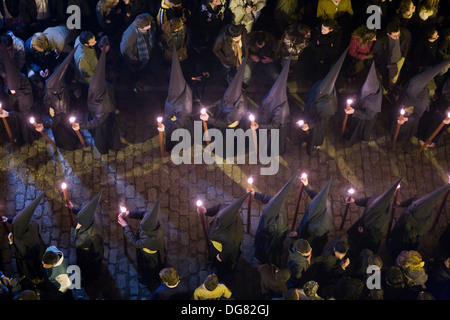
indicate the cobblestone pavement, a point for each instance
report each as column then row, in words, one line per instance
column 136, row 176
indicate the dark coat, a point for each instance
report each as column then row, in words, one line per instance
column 223, row 47
column 298, row 265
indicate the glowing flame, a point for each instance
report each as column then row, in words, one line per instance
column 203, row 111
column 123, row 209
column 304, row 175
column 351, row 191
column 402, row 112
column 72, row 119
column 349, row 101
column 251, row 117
column 159, row 119
column 250, row 181
column 199, row 203
column 32, row 120
column 64, row 186
column 398, row 187
column 300, row 123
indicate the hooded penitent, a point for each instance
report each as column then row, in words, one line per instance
column 374, row 221
column 323, row 96
column 272, row 228
column 22, row 220
column 275, row 105
column 86, row 215
column 55, row 96
column 416, row 219
column 100, row 97
column 13, row 76
column 370, row 95
column 233, row 105
column 150, row 222
column 179, row 100
column 317, row 219
column 226, row 228
column 416, row 93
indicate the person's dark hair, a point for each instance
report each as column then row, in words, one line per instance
column 395, row 277
column 143, row 20
column 50, row 257
column 341, row 246
column 310, row 288
column 429, row 31
column 353, row 289
column 259, row 37
column 28, row 295
column 169, row 276
column 85, row 36
column 392, row 27
column 6, row 40
column 303, row 29
column 331, row 24
column 375, row 260
column 211, row 282
column 376, row 294
column 235, row 30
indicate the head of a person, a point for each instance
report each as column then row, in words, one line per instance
column 143, row 21
column 304, row 31
column 429, row 4
column 329, row 25
column 176, row 24
column 260, row 39
column 49, row 259
column 395, row 277
column 368, row 35
column 87, row 38
column 432, row 33
column 406, row 8
column 214, row 2
column 39, row 42
column 283, row 275
column 375, row 260
column 340, row 249
column 7, row 41
column 169, row 276
column 173, row 3
column 211, row 282
column 411, row 260
column 29, row 295
column 303, row 247
column 235, row 32
column 310, row 288
column 393, row 30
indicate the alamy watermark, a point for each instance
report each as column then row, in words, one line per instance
column 224, row 149
column 74, row 273
column 374, row 277
column 374, row 21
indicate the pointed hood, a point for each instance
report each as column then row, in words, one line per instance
column 378, row 209
column 150, row 222
column 22, row 219
column 421, row 210
column 274, row 218
column 179, row 99
column 370, row 95
column 12, row 74
column 276, row 100
column 323, row 97
column 86, row 215
column 416, row 92
column 98, row 85
column 227, row 223
column 317, row 219
column 55, row 82
column 233, row 103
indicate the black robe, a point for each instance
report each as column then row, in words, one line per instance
column 28, row 250
column 150, row 247
column 270, row 236
column 103, row 124
column 89, row 248
column 20, row 108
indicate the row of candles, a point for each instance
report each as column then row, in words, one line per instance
column 250, row 181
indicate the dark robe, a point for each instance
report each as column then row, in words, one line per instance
column 28, row 249
column 20, row 108
column 270, row 236
column 102, row 123
column 150, row 247
column 88, row 242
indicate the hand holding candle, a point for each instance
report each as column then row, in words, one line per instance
column 204, row 117
column 161, row 135
column 348, row 110
column 76, row 127
column 303, row 126
column 68, row 203
column 202, row 211
column 4, row 114
column 348, row 200
column 37, row 127
column 400, row 120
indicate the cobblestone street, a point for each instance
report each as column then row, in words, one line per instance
column 136, row 177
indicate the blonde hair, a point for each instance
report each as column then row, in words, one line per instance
column 40, row 41
column 105, row 6
column 411, row 260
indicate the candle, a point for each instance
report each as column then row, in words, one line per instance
column 72, row 119
column 250, row 183
column 402, row 113
column 123, row 209
column 300, row 123
column 448, row 114
column 398, row 187
column 1, row 109
column 203, row 111
column 252, row 118
column 159, row 119
column 351, row 191
column 33, row 122
column 64, row 189
column 199, row 203
column 304, row 175
column 349, row 101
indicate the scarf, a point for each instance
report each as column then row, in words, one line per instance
column 142, row 47
column 237, row 52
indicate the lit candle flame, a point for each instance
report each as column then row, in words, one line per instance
column 351, row 191
column 251, row 117
column 199, row 203
column 123, row 209
column 398, row 187
column 32, row 120
column 349, row 101
column 159, row 119
column 300, row 123
column 72, row 119
column 203, row 111
column 304, row 175
column 250, row 181
column 64, row 186
column 448, row 114
column 402, row 112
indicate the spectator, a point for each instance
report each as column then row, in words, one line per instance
column 273, row 280
column 298, row 262
column 246, row 12
column 360, row 51
column 172, row 287
column 55, row 265
column 309, row 291
column 211, row 289
column 293, row 43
